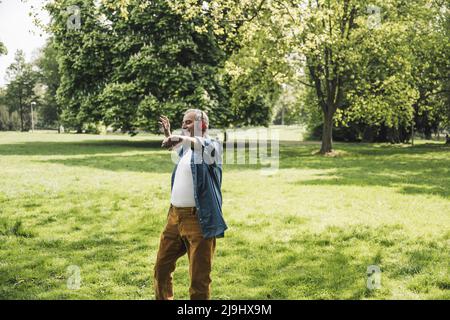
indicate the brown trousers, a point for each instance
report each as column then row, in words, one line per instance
column 181, row 235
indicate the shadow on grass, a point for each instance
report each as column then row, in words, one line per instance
column 99, row 154
column 423, row 169
column 86, row 147
column 160, row 162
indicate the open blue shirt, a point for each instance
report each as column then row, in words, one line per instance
column 206, row 167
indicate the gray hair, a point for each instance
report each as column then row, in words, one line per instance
column 199, row 116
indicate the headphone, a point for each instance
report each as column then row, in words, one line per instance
column 203, row 123
column 204, row 127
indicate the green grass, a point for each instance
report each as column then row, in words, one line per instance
column 308, row 232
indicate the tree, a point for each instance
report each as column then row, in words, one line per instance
column 357, row 56
column 398, row 74
column 430, row 44
column 126, row 69
column 352, row 63
column 19, row 91
column 49, row 76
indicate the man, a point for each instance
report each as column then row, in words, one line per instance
column 195, row 215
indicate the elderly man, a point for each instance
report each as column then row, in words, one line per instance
column 195, row 215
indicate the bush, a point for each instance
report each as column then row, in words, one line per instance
column 363, row 132
column 91, row 128
column 352, row 133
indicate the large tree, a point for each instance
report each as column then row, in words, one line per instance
column 354, row 58
column 430, row 47
column 47, row 62
column 131, row 61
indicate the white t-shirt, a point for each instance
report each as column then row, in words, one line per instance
column 183, row 185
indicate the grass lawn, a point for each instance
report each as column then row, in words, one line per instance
column 308, row 232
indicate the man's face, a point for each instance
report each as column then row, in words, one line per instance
column 188, row 124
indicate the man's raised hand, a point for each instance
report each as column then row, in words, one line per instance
column 165, row 123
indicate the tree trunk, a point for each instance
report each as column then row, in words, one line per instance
column 327, row 133
column 21, row 113
column 58, row 119
column 21, row 117
column 427, row 132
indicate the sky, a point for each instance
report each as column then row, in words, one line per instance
column 17, row 31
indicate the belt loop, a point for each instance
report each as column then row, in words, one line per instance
column 194, row 210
